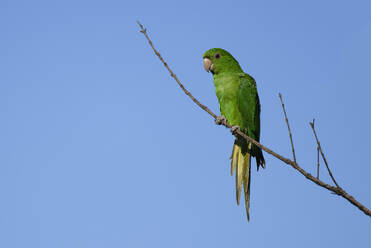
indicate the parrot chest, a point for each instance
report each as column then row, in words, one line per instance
column 226, row 89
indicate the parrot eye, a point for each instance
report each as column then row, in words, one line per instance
column 217, row 56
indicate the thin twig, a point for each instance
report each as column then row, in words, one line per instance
column 144, row 31
column 322, row 154
column 317, row 162
column 336, row 190
column 288, row 127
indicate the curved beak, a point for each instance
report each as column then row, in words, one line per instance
column 208, row 65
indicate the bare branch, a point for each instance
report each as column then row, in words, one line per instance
column 144, row 31
column 336, row 190
column 317, row 162
column 322, row 154
column 288, row 127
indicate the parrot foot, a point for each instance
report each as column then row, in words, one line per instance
column 219, row 120
column 234, row 129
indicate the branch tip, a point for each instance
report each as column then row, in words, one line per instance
column 288, row 127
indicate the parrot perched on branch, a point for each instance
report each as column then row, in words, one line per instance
column 239, row 105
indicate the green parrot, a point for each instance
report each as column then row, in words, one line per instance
column 239, row 105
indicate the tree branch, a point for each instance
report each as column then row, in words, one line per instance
column 288, row 127
column 337, row 190
column 144, row 31
column 322, row 154
column 317, row 162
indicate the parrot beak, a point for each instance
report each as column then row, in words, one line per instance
column 208, row 65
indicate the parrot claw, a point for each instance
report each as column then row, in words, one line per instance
column 234, row 129
column 219, row 120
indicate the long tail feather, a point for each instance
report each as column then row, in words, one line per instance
column 241, row 163
column 246, row 183
column 234, row 158
column 239, row 176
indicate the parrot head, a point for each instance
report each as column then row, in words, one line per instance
column 217, row 60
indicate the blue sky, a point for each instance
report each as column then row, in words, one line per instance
column 100, row 148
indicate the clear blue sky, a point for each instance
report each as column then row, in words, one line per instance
column 100, row 148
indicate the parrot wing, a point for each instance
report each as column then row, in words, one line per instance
column 249, row 107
